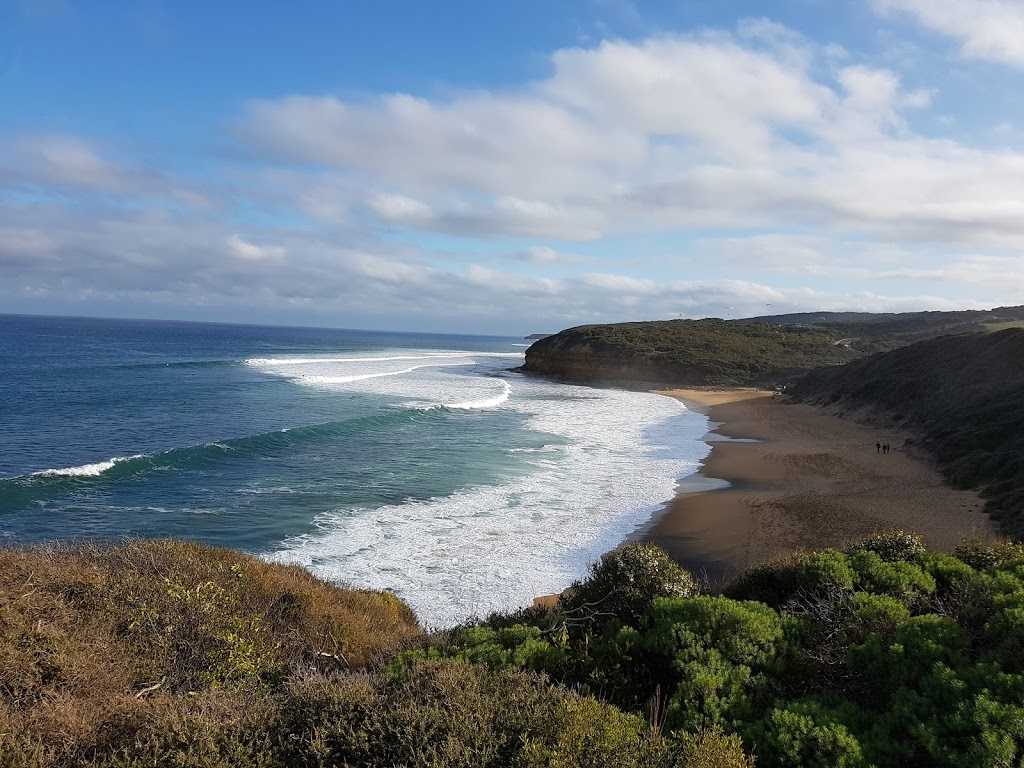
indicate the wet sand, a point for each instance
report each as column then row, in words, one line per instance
column 785, row 476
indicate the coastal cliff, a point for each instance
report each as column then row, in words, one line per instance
column 708, row 352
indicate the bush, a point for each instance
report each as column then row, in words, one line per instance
column 450, row 713
column 892, row 546
column 806, row 734
column 95, row 638
column 711, row 748
column 625, row 582
column 981, row 555
column 719, row 651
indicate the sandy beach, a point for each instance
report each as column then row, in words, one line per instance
column 784, row 476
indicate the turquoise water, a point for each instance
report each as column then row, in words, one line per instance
column 412, row 462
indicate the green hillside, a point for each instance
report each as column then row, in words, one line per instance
column 686, row 352
column 762, row 351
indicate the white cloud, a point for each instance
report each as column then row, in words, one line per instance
column 542, row 255
column 71, row 163
column 992, row 30
column 670, row 133
column 246, row 251
column 803, row 154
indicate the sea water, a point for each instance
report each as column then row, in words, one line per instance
column 411, row 462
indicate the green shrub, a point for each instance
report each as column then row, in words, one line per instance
column 982, row 555
column 828, row 567
column 892, row 546
column 949, row 572
column 806, row 734
column 625, row 582
column 774, row 583
column 719, row 651
column 903, row 580
column 452, row 714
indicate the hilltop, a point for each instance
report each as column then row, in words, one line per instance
column 760, row 351
column 685, row 352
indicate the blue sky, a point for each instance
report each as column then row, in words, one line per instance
column 488, row 167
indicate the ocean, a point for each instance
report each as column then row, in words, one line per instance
column 413, row 462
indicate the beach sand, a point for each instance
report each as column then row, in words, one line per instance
column 799, row 477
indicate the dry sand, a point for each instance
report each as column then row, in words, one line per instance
column 801, row 478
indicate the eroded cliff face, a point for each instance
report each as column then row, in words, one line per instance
column 596, row 363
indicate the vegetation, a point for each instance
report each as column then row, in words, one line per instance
column 883, row 331
column 768, row 350
column 696, row 352
column 878, row 655
column 174, row 654
column 964, row 396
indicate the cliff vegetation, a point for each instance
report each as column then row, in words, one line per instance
column 762, row 351
column 685, row 352
column 173, row 654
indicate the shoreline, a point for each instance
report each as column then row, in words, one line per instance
column 784, row 476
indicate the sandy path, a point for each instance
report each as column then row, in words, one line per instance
column 813, row 480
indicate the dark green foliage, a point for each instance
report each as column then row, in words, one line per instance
column 879, row 655
column 882, row 331
column 806, row 733
column 963, row 395
column 720, row 653
column 687, row 352
column 763, row 350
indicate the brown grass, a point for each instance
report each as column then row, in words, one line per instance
column 96, row 641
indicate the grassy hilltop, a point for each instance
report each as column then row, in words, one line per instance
column 758, row 351
column 686, row 352
column 172, row 654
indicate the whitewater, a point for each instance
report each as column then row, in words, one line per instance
column 611, row 459
column 417, row 463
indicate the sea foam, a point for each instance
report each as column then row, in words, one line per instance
column 85, row 470
column 613, row 460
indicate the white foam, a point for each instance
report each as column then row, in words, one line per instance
column 368, row 376
column 261, row 362
column 433, row 382
column 490, row 402
column 86, row 470
column 497, row 547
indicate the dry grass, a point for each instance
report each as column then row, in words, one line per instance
column 97, row 641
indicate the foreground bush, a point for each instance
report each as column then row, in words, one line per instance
column 93, row 639
column 168, row 654
column 174, row 654
column 878, row 655
column 625, row 581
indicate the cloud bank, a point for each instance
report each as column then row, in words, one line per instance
column 678, row 174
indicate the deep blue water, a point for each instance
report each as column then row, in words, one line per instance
column 406, row 461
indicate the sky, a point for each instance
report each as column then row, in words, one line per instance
column 475, row 166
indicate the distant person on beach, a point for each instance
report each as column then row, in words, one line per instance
column 878, row 447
